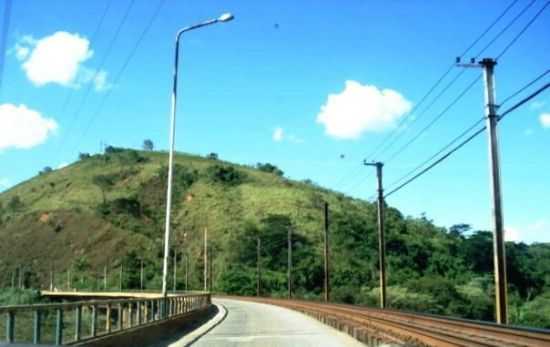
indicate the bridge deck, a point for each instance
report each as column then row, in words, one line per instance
column 255, row 324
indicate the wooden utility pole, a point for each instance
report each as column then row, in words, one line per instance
column 327, row 255
column 289, row 270
column 51, row 280
column 381, row 236
column 186, row 271
column 120, row 277
column 499, row 251
column 205, row 275
column 258, row 269
column 105, row 277
column 174, row 286
column 141, row 275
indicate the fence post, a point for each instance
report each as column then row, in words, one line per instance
column 10, row 327
column 77, row 323
column 59, row 327
column 94, row 321
column 36, row 328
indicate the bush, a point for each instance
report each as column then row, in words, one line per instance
column 212, row 156
column 45, row 170
column 16, row 296
column 15, row 203
column 225, row 175
column 267, row 167
column 83, row 156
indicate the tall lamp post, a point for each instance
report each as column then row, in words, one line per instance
column 226, row 17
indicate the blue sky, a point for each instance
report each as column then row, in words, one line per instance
column 310, row 86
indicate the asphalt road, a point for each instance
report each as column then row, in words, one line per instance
column 254, row 324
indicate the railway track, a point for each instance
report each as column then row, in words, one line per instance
column 373, row 326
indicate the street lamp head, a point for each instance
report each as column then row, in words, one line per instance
column 226, row 17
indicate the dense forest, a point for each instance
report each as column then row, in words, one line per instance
column 104, row 214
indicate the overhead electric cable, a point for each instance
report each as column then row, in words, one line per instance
column 511, row 43
column 127, row 61
column 463, row 143
column 440, row 79
column 93, row 38
column 100, row 67
column 3, row 38
column 519, row 91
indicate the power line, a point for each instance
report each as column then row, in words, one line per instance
column 434, row 120
column 498, row 35
column 125, row 65
column 449, row 69
column 100, row 67
column 3, row 38
column 463, row 143
column 533, row 81
column 506, row 27
column 92, row 39
column 523, row 101
column 444, row 148
column 523, row 30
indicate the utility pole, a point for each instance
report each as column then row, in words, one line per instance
column 258, row 270
column 105, row 277
column 289, row 271
column 141, row 275
column 381, row 241
column 326, row 253
column 499, row 251
column 120, row 277
column 51, row 280
column 174, row 286
column 186, row 271
column 69, row 279
column 205, row 275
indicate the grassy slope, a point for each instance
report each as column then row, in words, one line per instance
column 68, row 196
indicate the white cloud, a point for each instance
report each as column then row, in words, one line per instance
column 361, row 108
column 59, row 59
column 22, row 127
column 545, row 120
column 278, row 134
column 62, row 165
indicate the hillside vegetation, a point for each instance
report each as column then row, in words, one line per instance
column 107, row 212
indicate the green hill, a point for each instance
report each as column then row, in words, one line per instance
column 108, row 210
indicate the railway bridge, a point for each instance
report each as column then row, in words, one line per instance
column 202, row 319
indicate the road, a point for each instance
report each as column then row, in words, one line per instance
column 254, row 324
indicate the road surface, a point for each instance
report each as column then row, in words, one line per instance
column 254, row 324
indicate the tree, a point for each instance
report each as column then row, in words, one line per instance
column 83, row 156
column 104, row 183
column 148, row 145
column 267, row 167
column 15, row 203
column 45, row 170
column 212, row 156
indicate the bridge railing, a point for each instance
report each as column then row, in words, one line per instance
column 71, row 322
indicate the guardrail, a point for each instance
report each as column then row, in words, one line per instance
column 69, row 323
column 376, row 326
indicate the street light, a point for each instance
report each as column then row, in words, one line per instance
column 226, row 17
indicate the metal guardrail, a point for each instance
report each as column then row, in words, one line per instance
column 72, row 322
column 375, row 326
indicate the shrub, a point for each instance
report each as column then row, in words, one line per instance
column 83, row 156
column 267, row 167
column 212, row 156
column 225, row 175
